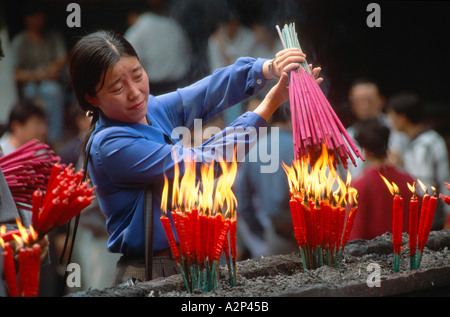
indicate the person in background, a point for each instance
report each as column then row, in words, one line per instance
column 27, row 121
column 40, row 57
column 8, row 88
column 168, row 61
column 374, row 215
column 426, row 154
column 366, row 101
column 231, row 40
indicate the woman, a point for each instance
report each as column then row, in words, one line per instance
column 132, row 140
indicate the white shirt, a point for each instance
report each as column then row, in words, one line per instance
column 162, row 46
column 426, row 158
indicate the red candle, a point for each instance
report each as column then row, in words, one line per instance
column 349, row 225
column 195, row 231
column 211, row 236
column 233, row 229
column 326, row 209
column 446, row 199
column 9, row 269
column 37, row 199
column 224, row 226
column 188, row 231
column 29, row 265
column 341, row 222
column 219, row 222
column 226, row 246
column 429, row 220
column 423, row 217
column 203, row 232
column 169, row 233
column 181, row 232
column 296, row 220
column 397, row 222
column 413, row 222
column 333, row 227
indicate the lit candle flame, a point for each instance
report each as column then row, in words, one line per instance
column 434, row 190
column 412, row 188
column 214, row 195
column 164, row 196
column 422, row 185
column 23, row 231
column 2, row 230
column 392, row 188
column 317, row 182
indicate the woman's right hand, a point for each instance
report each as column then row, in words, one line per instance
column 279, row 94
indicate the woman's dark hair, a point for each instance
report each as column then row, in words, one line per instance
column 90, row 59
column 373, row 136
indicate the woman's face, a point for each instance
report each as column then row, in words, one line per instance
column 124, row 94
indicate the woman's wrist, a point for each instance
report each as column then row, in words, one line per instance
column 266, row 108
column 268, row 69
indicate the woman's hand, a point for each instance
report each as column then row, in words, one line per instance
column 274, row 68
column 288, row 59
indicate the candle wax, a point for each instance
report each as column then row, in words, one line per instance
column 397, row 223
column 413, row 223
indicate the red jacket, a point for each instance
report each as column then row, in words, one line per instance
column 374, row 216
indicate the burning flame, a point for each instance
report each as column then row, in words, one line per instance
column 175, row 188
column 422, row 185
column 224, row 193
column 23, row 231
column 208, row 194
column 434, row 189
column 2, row 232
column 188, row 190
column 164, row 196
column 392, row 188
column 412, row 187
column 317, row 182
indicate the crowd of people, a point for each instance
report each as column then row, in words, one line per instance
column 388, row 129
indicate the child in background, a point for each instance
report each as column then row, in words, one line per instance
column 374, row 215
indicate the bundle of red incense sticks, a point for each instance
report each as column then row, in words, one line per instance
column 314, row 122
column 64, row 198
column 27, row 169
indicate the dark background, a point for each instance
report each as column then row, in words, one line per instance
column 410, row 50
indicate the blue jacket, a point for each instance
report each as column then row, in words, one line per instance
column 124, row 158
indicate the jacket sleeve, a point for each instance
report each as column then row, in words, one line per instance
column 131, row 159
column 210, row 96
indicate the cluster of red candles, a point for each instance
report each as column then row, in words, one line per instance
column 205, row 224
column 26, row 282
column 419, row 230
column 65, row 196
column 314, row 122
column 27, row 169
column 445, row 199
column 322, row 219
